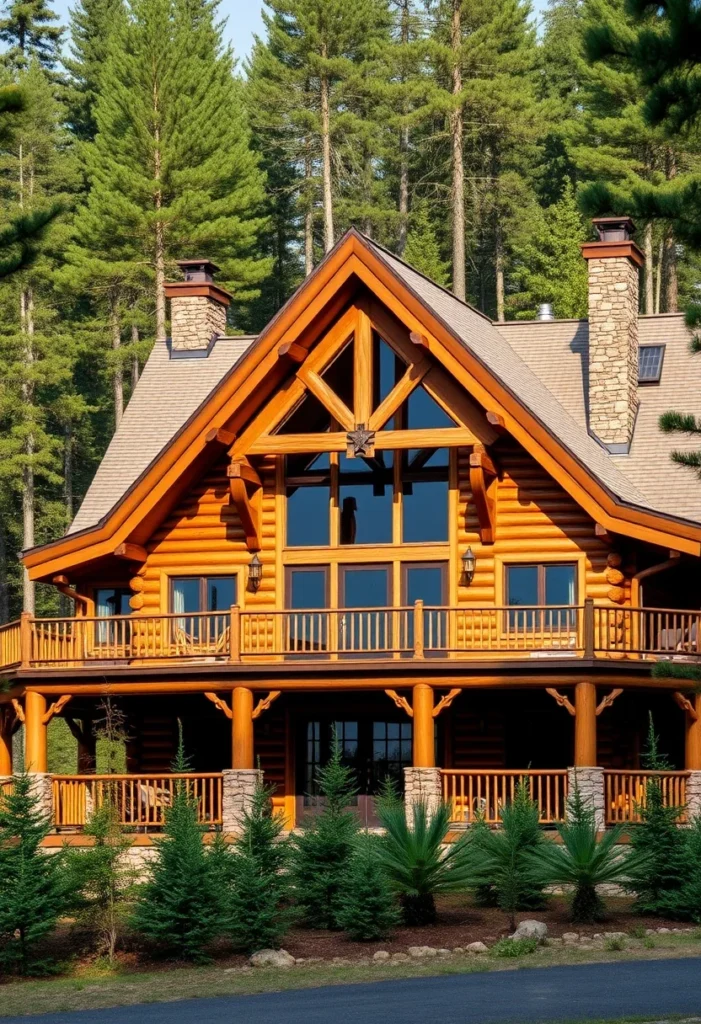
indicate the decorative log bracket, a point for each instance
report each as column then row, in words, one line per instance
column 63, row 586
column 446, row 701
column 219, row 703
column 9, row 720
column 55, row 708
column 608, row 700
column 218, row 435
column 686, row 705
column 561, row 699
column 246, row 493
column 401, row 702
column 19, row 710
column 264, row 703
column 483, row 480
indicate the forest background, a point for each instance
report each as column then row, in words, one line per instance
column 451, row 131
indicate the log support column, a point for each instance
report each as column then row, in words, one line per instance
column 585, row 725
column 692, row 759
column 424, row 742
column 242, row 728
column 35, row 757
column 5, row 744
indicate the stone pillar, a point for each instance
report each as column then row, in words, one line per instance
column 614, row 264
column 590, row 783
column 585, row 725
column 41, row 788
column 693, row 795
column 422, row 785
column 238, row 787
column 35, row 756
column 424, row 735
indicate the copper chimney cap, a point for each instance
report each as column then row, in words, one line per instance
column 614, row 229
column 198, row 271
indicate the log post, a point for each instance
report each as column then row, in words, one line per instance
column 35, row 757
column 692, row 761
column 419, row 629
column 25, row 639
column 242, row 727
column 234, row 633
column 424, row 744
column 588, row 638
column 585, row 725
column 5, row 745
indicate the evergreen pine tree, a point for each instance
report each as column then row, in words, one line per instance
column 422, row 250
column 30, row 32
column 321, row 854
column 367, row 907
column 689, row 903
column 179, row 906
column 32, row 893
column 255, row 880
column 91, row 25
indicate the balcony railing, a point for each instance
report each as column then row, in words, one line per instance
column 141, row 801
column 479, row 793
column 567, row 631
column 626, row 792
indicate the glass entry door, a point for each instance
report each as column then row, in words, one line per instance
column 365, row 587
column 307, row 595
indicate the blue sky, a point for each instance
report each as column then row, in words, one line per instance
column 243, row 20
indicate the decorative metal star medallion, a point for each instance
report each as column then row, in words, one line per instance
column 360, row 442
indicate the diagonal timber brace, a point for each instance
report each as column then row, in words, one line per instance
column 401, row 702
column 446, row 701
column 219, row 703
column 561, row 699
column 247, row 493
column 264, row 703
column 483, row 483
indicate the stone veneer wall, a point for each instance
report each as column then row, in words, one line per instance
column 613, row 348
column 693, row 795
column 194, row 320
column 238, row 787
column 590, row 783
column 422, row 785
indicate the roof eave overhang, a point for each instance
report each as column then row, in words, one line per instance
column 353, row 257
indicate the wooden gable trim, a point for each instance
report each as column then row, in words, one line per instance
column 317, row 303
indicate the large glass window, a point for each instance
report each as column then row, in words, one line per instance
column 425, row 496
column 308, row 500
column 307, row 588
column 391, row 752
column 192, row 594
column 550, row 585
column 112, row 601
column 365, row 499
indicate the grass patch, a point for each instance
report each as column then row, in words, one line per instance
column 512, row 948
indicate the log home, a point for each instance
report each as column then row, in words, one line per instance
column 459, row 546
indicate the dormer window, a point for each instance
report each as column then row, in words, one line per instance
column 650, row 359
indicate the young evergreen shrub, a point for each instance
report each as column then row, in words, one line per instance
column 101, row 882
column 254, row 881
column 179, row 906
column 504, row 856
column 660, row 844
column 321, row 854
column 690, row 897
column 32, row 892
column 367, row 907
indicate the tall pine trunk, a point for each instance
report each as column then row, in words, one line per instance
column 159, row 239
column 403, row 148
column 457, row 159
column 64, row 602
column 326, row 158
column 649, row 270
column 28, row 486
column 671, row 284
column 308, row 214
column 4, row 589
column 117, row 374
column 499, row 269
column 135, row 369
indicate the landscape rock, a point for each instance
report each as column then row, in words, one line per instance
column 615, row 935
column 570, row 937
column 476, row 947
column 459, row 949
column 664, row 931
column 537, row 930
column 400, row 957
column 444, row 952
column 272, row 958
column 380, row 955
column 422, row 951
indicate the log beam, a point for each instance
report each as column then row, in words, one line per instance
column 130, row 552
column 585, row 725
column 246, row 494
column 220, row 436
column 292, row 351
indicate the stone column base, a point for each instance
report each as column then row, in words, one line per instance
column 590, row 783
column 238, row 787
column 693, row 795
column 422, row 785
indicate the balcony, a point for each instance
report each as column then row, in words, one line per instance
column 340, row 635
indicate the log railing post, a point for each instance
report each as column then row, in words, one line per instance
column 585, row 725
column 588, row 627
column 418, row 629
column 424, row 743
column 234, row 633
column 242, row 728
column 25, row 639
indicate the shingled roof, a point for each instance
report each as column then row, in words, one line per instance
column 542, row 364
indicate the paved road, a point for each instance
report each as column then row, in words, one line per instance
column 588, row 991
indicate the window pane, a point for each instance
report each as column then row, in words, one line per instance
column 424, row 412
column 366, row 502
column 221, row 593
column 365, row 588
column 560, row 584
column 308, row 515
column 186, row 594
column 425, row 512
column 522, row 584
column 307, row 588
column 112, row 601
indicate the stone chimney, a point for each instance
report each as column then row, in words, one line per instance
column 614, row 265
column 197, row 307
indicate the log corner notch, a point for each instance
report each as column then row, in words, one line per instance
column 247, row 493
column 483, row 484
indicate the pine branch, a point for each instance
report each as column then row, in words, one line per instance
column 679, row 423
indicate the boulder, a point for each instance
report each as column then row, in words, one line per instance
column 400, row 957
column 272, row 958
column 537, row 930
column 421, row 951
column 569, row 938
column 476, row 947
column 444, row 952
column 380, row 955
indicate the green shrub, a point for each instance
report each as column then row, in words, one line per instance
column 32, row 891
column 367, row 908
column 322, row 853
column 688, row 904
column 252, row 878
column 584, row 861
column 100, row 880
column 513, row 947
column 505, row 856
column 614, row 943
column 415, row 863
column 179, row 907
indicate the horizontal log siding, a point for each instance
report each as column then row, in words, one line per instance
column 534, row 516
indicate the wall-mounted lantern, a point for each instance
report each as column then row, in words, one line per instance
column 468, row 567
column 255, row 573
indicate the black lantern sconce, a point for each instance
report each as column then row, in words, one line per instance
column 468, row 568
column 255, row 573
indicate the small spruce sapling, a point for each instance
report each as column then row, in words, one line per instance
column 367, row 909
column 321, row 854
column 32, row 891
column 179, row 906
